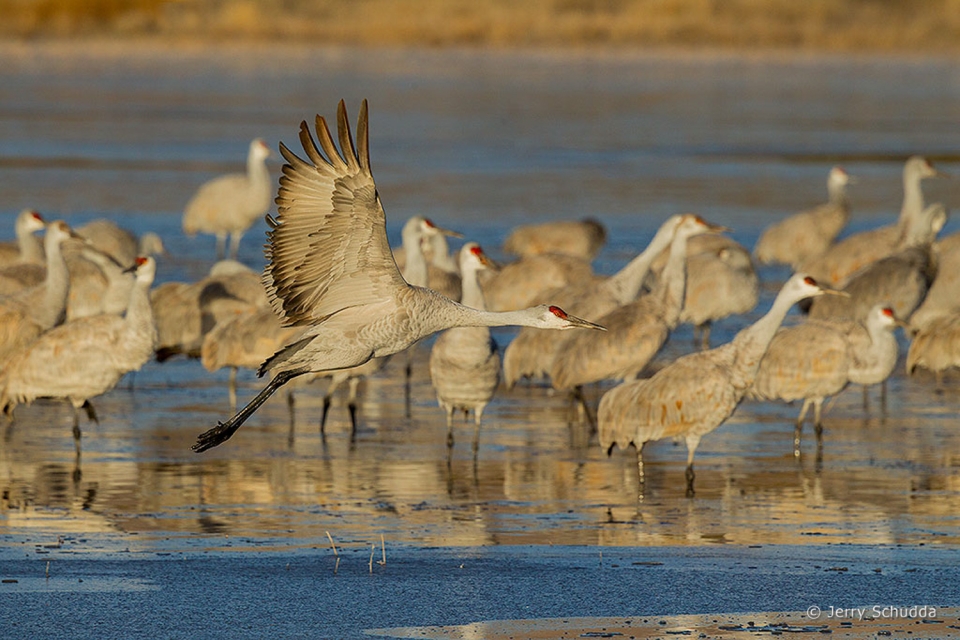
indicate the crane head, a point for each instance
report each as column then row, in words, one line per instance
column 556, row 318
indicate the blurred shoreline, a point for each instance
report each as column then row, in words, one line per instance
column 930, row 27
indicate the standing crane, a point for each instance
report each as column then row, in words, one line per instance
column 696, row 393
column 27, row 247
column 796, row 239
column 330, row 270
column 84, row 358
column 230, row 204
column 464, row 361
column 578, row 238
column 834, row 266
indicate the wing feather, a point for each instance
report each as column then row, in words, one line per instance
column 327, row 248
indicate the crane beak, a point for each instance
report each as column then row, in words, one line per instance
column 580, row 323
column 833, row 292
column 718, row 228
column 448, row 232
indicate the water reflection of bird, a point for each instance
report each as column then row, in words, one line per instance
column 696, row 393
column 330, row 270
column 578, row 238
column 230, row 204
column 464, row 361
column 532, row 352
column 851, row 254
column 84, row 358
column 27, row 247
column 796, row 239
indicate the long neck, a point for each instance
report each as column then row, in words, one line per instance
column 673, row 281
column 626, row 283
column 750, row 345
column 259, row 177
column 139, row 315
column 471, row 294
column 415, row 269
column 912, row 196
column 31, row 248
column 837, row 194
column 441, row 254
column 56, row 287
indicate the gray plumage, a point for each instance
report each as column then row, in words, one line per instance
column 532, row 351
column 120, row 244
column 835, row 266
column 696, row 393
column 465, row 361
column 936, row 347
column 943, row 297
column 230, row 204
column 900, row 280
column 578, row 238
column 85, row 358
column 807, row 234
column 331, row 271
column 520, row 284
column 635, row 331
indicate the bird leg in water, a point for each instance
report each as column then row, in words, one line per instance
column 693, row 441
column 818, row 423
column 222, row 432
column 449, row 411
column 323, row 415
column 91, row 413
column 798, row 428
column 690, row 476
column 642, row 477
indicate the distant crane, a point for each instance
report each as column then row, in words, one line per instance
column 578, row 238
column 230, row 204
column 330, row 270
column 27, row 247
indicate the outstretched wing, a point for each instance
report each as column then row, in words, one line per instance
column 327, row 249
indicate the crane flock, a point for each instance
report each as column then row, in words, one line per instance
column 335, row 301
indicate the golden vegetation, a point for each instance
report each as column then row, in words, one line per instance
column 922, row 26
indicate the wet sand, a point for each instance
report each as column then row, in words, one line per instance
column 480, row 142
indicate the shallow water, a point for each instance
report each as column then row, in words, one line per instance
column 480, row 142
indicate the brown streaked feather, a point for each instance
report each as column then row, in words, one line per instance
column 328, row 247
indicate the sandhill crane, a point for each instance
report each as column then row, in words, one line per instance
column 27, row 247
column 936, row 346
column 531, row 353
column 230, row 204
column 98, row 284
column 851, row 254
column 520, row 284
column 577, row 238
column 944, row 294
column 120, row 244
column 807, row 234
column 721, row 282
column 635, row 331
column 818, row 359
column 330, row 270
column 464, row 361
column 84, row 358
column 443, row 275
column 696, row 393
column 245, row 340
column 900, row 280
column 185, row 312
column 27, row 314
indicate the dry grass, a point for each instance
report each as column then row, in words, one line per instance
column 829, row 25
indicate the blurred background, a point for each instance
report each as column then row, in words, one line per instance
column 919, row 26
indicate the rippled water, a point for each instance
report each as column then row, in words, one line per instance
column 480, row 142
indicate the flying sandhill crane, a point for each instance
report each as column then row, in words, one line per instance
column 230, row 204
column 119, row 243
column 721, row 282
column 577, row 238
column 900, row 280
column 464, row 361
column 851, row 254
column 531, row 353
column 84, row 358
column 815, row 360
column 696, row 393
column 807, row 234
column 330, row 270
column 25, row 315
column 936, row 346
column 27, row 247
column 635, row 331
